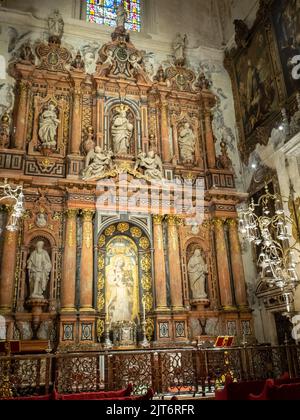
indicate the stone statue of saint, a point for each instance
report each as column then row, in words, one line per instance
column 48, row 126
column 39, row 267
column 197, row 270
column 121, row 15
column 187, row 142
column 56, row 25
column 121, row 132
column 179, row 46
column 152, row 165
column 97, row 163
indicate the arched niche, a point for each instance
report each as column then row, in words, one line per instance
column 129, row 244
column 134, row 117
column 23, row 285
column 190, row 252
column 189, row 248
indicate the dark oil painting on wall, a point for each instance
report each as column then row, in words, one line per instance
column 256, row 84
column 286, row 22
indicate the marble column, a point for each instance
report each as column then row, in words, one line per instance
column 69, row 264
column 210, row 142
column 19, row 140
column 8, row 267
column 174, row 264
column 159, row 264
column 86, row 263
column 223, row 266
column 165, row 131
column 237, row 265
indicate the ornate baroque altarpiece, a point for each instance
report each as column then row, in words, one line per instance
column 90, row 268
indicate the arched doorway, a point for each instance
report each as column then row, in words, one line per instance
column 125, row 286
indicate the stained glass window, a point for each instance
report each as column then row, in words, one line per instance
column 103, row 12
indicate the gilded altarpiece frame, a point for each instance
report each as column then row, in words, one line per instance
column 131, row 243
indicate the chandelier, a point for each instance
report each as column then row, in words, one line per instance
column 269, row 232
column 15, row 195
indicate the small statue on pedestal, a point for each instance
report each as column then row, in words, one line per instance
column 78, row 63
column 179, row 46
column 121, row 15
column 55, row 27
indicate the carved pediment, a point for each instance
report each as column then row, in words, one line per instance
column 181, row 78
column 120, row 59
column 53, row 57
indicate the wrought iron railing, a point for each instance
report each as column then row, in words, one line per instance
column 187, row 370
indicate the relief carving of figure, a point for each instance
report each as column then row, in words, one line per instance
column 39, row 267
column 197, row 270
column 56, row 25
column 187, row 143
column 97, row 163
column 48, row 126
column 121, row 132
column 179, row 46
column 152, row 164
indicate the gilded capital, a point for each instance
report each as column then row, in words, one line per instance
column 157, row 219
column 71, row 213
column 175, row 220
column 87, row 215
column 218, row 223
column 232, row 223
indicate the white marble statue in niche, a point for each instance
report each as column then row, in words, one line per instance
column 121, row 132
column 187, row 143
column 97, row 163
column 152, row 165
column 39, row 268
column 197, row 271
column 56, row 25
column 48, row 126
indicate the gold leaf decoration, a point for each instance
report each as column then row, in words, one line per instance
column 101, row 281
column 146, row 263
column 136, row 232
column 100, row 328
column 110, row 231
column 144, row 243
column 148, row 301
column 146, row 282
column 123, row 227
column 100, row 301
column 101, row 262
column 149, row 329
column 101, row 241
